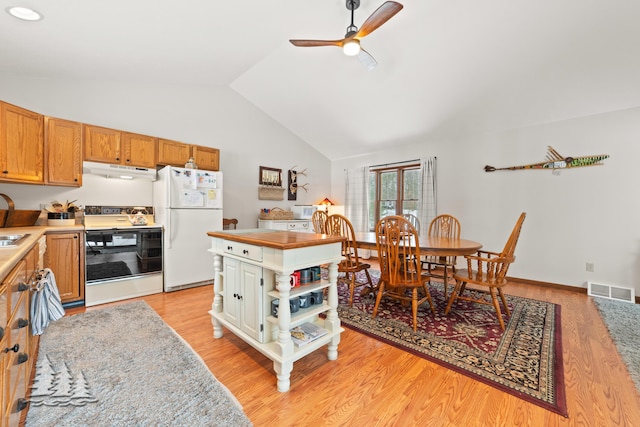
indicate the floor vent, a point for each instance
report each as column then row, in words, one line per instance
column 611, row 292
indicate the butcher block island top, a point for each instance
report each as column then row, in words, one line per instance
column 255, row 298
column 276, row 239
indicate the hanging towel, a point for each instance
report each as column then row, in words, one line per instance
column 46, row 305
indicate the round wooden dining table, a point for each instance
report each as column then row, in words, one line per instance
column 440, row 246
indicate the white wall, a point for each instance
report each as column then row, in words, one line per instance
column 582, row 215
column 215, row 117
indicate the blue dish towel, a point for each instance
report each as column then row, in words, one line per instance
column 46, row 305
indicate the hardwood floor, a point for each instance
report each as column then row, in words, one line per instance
column 374, row 384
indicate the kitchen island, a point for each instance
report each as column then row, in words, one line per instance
column 253, row 273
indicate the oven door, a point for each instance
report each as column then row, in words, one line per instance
column 120, row 253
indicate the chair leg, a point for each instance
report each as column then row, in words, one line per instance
column 454, row 295
column 414, row 308
column 378, row 298
column 352, row 287
column 496, row 305
column 504, row 302
column 445, row 279
column 428, row 295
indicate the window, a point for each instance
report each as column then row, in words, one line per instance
column 393, row 191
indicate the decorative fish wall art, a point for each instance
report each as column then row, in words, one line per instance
column 556, row 161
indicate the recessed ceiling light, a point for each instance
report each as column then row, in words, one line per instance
column 24, row 13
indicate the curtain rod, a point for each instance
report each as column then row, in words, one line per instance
column 396, row 163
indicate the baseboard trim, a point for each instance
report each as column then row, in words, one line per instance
column 555, row 286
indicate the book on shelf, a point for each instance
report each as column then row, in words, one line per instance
column 306, row 333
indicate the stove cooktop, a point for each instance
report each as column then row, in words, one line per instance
column 109, row 217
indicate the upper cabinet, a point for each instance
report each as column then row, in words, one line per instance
column 21, row 145
column 123, row 148
column 173, row 153
column 63, row 145
column 102, row 144
column 139, row 150
column 176, row 153
column 206, row 158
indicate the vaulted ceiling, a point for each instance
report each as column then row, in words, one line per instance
column 444, row 66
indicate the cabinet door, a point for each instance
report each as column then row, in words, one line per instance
column 173, row 153
column 206, row 158
column 139, row 150
column 102, row 144
column 63, row 143
column 251, row 296
column 21, row 145
column 65, row 257
column 231, row 302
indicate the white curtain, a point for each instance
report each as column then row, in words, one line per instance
column 427, row 210
column 357, row 198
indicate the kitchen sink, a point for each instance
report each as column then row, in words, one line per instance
column 11, row 240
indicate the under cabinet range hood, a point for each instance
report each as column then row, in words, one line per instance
column 119, row 171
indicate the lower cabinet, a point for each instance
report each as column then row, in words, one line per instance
column 17, row 347
column 244, row 296
column 65, row 257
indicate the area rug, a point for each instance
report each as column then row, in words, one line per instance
column 617, row 316
column 124, row 366
column 106, row 270
column 525, row 360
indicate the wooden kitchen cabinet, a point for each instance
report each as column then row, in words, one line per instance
column 112, row 146
column 102, row 144
column 139, row 150
column 63, row 145
column 65, row 257
column 15, row 344
column 21, row 145
column 206, row 158
column 173, row 153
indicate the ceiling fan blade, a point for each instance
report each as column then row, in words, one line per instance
column 367, row 60
column 313, row 43
column 379, row 17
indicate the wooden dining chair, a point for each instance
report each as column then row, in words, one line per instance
column 351, row 264
column 487, row 270
column 319, row 221
column 413, row 220
column 442, row 267
column 229, row 223
column 400, row 277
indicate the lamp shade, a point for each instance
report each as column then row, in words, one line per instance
column 326, row 202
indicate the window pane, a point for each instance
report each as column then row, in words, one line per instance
column 389, row 186
column 387, row 207
column 410, row 207
column 411, row 184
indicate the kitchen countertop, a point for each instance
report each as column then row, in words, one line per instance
column 9, row 256
column 276, row 239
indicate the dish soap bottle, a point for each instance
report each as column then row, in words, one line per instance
column 191, row 164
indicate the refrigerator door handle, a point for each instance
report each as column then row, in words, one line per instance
column 170, row 231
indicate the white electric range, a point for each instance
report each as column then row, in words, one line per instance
column 122, row 260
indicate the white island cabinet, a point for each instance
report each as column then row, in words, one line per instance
column 254, row 268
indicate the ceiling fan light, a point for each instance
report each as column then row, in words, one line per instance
column 351, row 48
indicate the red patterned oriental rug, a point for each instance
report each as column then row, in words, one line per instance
column 525, row 360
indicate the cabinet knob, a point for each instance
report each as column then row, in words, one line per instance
column 246, row 252
column 118, row 158
column 75, row 237
column 22, row 357
column 5, row 171
column 229, row 248
column 15, row 349
column 21, row 404
column 23, row 323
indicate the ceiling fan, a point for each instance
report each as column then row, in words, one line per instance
column 350, row 44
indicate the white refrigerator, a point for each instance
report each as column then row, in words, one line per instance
column 188, row 204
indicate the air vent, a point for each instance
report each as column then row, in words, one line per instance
column 611, row 292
